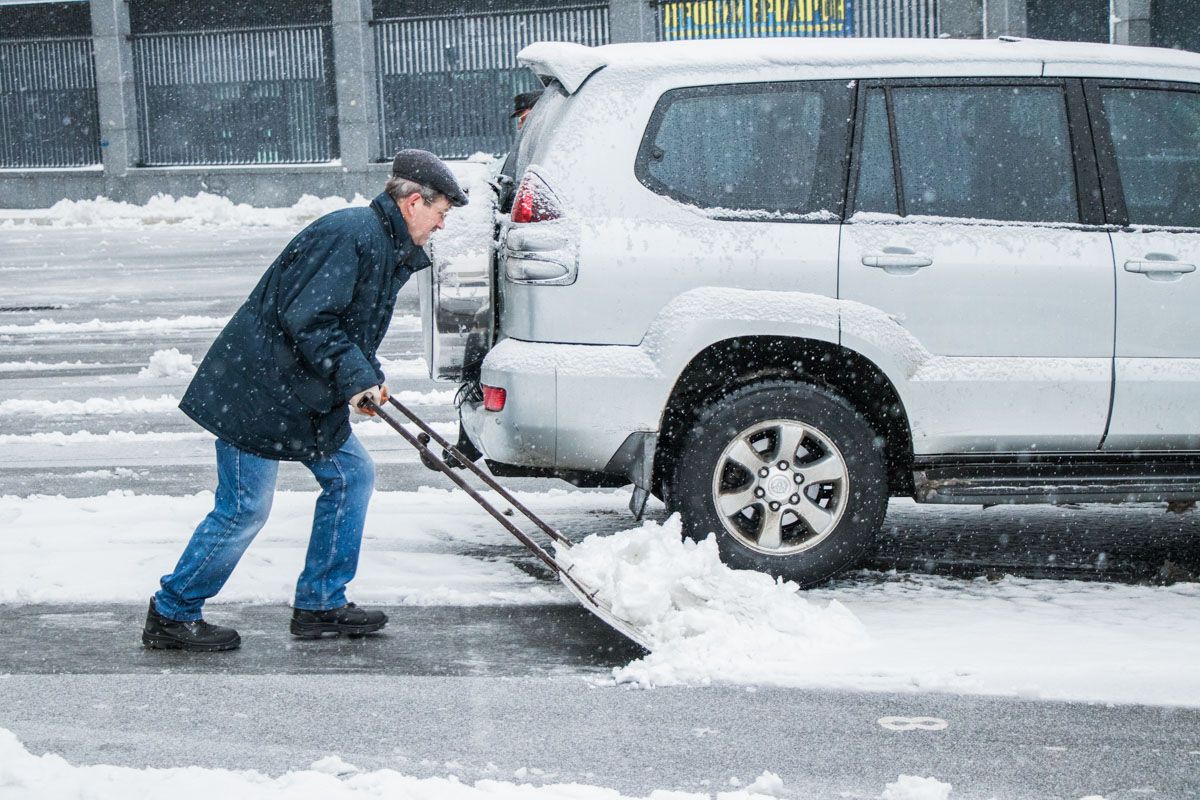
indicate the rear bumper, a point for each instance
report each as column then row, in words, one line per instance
column 570, row 407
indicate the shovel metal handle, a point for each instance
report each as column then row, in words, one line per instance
column 479, row 473
column 459, row 481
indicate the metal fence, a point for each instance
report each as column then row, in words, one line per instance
column 735, row 19
column 48, row 115
column 904, row 18
column 446, row 83
column 236, row 96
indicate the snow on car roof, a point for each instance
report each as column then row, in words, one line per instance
column 571, row 61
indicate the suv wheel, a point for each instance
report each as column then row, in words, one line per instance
column 788, row 476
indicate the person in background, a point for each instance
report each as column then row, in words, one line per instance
column 522, row 105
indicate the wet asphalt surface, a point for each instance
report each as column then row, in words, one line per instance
column 493, row 690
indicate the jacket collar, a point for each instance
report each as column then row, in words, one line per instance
column 397, row 230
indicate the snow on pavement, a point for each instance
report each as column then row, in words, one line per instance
column 115, row 547
column 1034, row 638
column 25, row 776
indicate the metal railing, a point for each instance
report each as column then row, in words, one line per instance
column 48, row 111
column 446, row 83
column 901, row 18
column 236, row 96
column 735, row 19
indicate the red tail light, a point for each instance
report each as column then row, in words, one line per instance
column 534, row 202
column 493, row 398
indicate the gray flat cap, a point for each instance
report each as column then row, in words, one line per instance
column 423, row 167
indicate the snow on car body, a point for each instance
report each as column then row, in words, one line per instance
column 778, row 281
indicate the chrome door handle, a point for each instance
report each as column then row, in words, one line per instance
column 1159, row 269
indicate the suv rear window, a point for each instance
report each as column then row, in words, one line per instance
column 773, row 147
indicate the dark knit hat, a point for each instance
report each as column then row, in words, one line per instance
column 524, row 101
column 423, row 167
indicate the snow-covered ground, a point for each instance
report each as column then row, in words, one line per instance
column 1032, row 638
column 107, row 310
column 24, row 776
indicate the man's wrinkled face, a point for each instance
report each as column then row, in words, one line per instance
column 425, row 217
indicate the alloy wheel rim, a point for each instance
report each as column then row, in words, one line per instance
column 780, row 487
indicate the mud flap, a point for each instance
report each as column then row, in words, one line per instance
column 635, row 460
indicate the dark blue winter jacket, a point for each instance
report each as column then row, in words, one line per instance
column 277, row 379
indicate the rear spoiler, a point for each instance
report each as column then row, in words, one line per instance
column 570, row 64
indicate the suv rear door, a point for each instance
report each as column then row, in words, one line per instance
column 1148, row 139
column 977, row 226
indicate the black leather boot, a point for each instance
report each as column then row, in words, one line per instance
column 349, row 619
column 162, row 633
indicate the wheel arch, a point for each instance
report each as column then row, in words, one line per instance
column 731, row 363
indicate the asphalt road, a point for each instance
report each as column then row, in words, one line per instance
column 554, row 730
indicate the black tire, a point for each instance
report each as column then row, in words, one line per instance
column 860, row 508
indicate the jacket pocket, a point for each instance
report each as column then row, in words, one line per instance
column 298, row 379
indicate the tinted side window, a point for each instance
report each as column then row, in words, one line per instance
column 769, row 147
column 1156, row 139
column 876, row 175
column 986, row 152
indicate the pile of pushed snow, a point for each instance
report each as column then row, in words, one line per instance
column 704, row 621
column 24, row 776
column 203, row 210
column 169, row 364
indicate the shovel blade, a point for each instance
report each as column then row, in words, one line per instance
column 591, row 599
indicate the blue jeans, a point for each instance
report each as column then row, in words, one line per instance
column 245, row 488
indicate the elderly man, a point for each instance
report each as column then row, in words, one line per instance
column 278, row 384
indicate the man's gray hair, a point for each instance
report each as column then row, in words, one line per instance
column 400, row 188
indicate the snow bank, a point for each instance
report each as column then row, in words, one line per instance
column 364, row 428
column 157, row 325
column 24, row 776
column 206, row 210
column 169, row 364
column 163, row 404
column 705, row 621
column 91, row 407
column 201, row 211
column 48, row 366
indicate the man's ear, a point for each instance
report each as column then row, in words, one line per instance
column 408, row 203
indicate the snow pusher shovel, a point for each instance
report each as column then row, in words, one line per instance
column 560, row 562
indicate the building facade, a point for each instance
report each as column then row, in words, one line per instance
column 269, row 100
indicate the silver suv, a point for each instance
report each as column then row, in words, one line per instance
column 777, row 282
